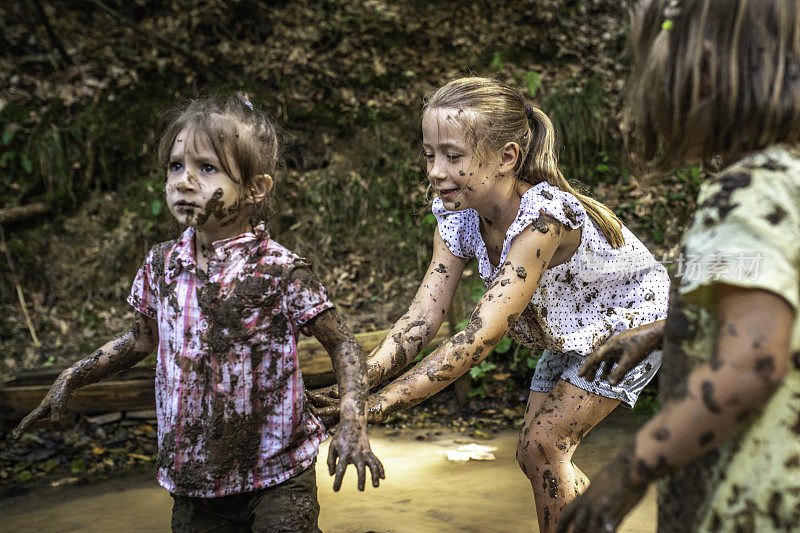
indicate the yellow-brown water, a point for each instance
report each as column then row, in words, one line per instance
column 422, row 491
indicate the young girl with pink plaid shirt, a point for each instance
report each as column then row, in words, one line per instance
column 222, row 305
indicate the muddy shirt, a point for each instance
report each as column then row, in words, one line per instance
column 229, row 393
column 579, row 304
column 746, row 232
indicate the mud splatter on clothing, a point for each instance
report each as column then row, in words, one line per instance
column 599, row 292
column 752, row 481
column 229, row 392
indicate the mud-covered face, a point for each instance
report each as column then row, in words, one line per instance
column 199, row 192
column 455, row 171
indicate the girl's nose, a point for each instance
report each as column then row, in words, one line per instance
column 436, row 171
column 183, row 181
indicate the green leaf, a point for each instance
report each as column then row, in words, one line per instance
column 602, row 169
column 26, row 163
column 8, row 134
column 429, row 220
column 477, row 391
column 534, row 82
column 497, row 62
column 77, row 467
column 155, row 207
column 504, row 345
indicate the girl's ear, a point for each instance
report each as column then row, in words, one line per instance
column 260, row 188
column 509, row 156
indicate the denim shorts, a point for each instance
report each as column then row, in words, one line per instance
column 553, row 366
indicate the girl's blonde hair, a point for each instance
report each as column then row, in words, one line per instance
column 717, row 77
column 499, row 116
column 238, row 133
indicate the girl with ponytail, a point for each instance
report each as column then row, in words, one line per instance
column 562, row 275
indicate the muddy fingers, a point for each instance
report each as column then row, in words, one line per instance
column 376, row 469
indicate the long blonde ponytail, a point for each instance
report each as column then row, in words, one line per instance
column 540, row 165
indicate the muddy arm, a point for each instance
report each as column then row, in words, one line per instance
column 114, row 356
column 627, row 349
column 419, row 324
column 496, row 312
column 350, row 444
column 750, row 361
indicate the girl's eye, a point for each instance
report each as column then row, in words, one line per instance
column 454, row 158
column 175, row 166
column 208, row 169
column 429, row 157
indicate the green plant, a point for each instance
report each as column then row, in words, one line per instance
column 578, row 115
column 647, row 403
column 496, row 64
column 533, row 81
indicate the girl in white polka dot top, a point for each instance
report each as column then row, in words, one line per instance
column 562, row 274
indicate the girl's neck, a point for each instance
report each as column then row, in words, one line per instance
column 204, row 238
column 498, row 208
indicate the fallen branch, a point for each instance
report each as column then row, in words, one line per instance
column 12, row 214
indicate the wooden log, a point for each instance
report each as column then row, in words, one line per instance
column 132, row 390
column 12, row 214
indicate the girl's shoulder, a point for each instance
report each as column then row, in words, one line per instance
column 270, row 252
column 544, row 198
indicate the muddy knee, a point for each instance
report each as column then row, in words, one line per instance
column 538, row 448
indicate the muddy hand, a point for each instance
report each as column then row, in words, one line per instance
column 603, row 506
column 375, row 414
column 351, row 446
column 52, row 406
column 328, row 415
column 627, row 349
column 324, row 397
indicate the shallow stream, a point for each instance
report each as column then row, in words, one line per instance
column 423, row 492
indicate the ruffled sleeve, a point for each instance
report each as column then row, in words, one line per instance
column 546, row 198
column 458, row 229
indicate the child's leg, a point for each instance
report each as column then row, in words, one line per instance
column 548, row 439
column 290, row 507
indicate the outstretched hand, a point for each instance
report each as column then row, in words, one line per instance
column 604, row 504
column 351, row 446
column 53, row 406
column 627, row 349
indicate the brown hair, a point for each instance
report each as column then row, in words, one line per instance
column 237, row 131
column 713, row 78
column 499, row 117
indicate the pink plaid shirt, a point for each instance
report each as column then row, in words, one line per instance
column 229, row 393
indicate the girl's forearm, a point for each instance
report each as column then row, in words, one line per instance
column 119, row 354
column 400, row 346
column 718, row 403
column 351, row 377
column 442, row 367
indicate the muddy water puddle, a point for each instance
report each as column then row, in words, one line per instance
column 423, row 491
